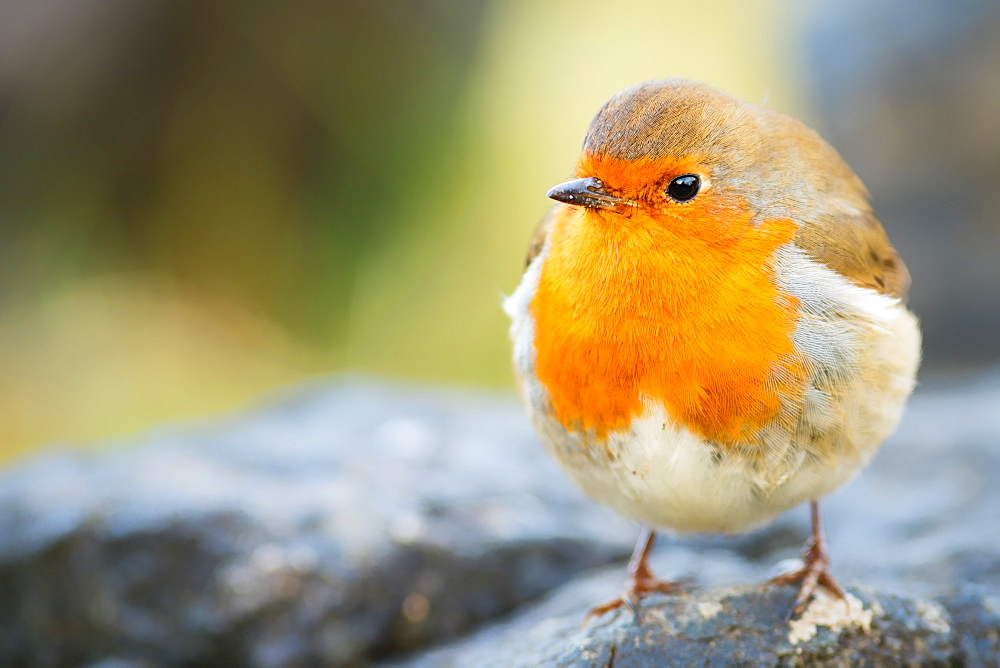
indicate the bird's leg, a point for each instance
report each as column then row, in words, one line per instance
column 813, row 572
column 639, row 580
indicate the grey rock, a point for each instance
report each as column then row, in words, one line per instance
column 976, row 614
column 358, row 521
column 716, row 627
column 345, row 522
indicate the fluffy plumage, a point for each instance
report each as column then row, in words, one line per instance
column 704, row 365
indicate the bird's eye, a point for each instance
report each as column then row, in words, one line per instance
column 684, row 187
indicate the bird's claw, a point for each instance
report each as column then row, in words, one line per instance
column 635, row 591
column 812, row 575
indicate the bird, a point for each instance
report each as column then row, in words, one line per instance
column 711, row 327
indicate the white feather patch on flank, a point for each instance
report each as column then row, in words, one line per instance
column 522, row 329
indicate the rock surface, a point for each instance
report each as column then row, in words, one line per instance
column 357, row 521
column 721, row 627
column 347, row 522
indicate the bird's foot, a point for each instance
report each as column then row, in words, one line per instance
column 636, row 588
column 812, row 574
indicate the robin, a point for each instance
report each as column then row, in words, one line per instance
column 711, row 328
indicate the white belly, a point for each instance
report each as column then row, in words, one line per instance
column 666, row 477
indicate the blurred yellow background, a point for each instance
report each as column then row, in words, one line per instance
column 203, row 201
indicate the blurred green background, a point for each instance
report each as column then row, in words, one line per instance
column 201, row 201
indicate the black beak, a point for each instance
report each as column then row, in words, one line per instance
column 587, row 192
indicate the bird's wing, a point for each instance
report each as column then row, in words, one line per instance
column 857, row 247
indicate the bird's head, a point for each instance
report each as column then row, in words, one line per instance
column 683, row 155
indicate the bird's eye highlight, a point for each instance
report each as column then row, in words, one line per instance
column 684, row 187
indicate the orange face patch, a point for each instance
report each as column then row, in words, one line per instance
column 672, row 302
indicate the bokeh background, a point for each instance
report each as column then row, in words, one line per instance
column 201, row 202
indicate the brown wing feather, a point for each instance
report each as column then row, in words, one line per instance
column 845, row 235
column 858, row 248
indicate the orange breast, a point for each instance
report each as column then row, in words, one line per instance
column 681, row 310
